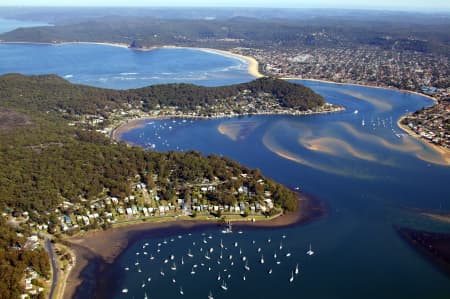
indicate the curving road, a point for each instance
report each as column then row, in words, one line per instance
column 51, row 254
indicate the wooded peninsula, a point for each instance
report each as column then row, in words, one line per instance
column 60, row 175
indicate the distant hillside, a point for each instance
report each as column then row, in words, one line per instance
column 426, row 35
column 50, row 92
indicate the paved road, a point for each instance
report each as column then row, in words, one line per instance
column 51, row 254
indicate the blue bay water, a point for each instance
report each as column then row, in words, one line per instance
column 370, row 176
column 121, row 68
column 10, row 24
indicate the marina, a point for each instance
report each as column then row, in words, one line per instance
column 225, row 255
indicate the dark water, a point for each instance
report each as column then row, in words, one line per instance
column 368, row 176
column 119, row 68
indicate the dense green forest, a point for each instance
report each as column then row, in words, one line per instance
column 14, row 259
column 44, row 161
column 339, row 31
column 44, row 93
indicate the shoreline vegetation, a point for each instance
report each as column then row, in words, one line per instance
column 105, row 246
column 253, row 69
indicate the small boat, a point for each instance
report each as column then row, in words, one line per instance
column 243, row 277
column 192, row 271
column 166, row 261
column 246, row 267
column 296, row 269
column 174, row 281
column 278, row 262
column 211, row 250
column 224, row 285
column 174, row 267
column 281, row 245
column 181, row 291
column 230, row 257
column 145, row 296
column 126, row 268
column 221, row 244
column 262, row 259
column 210, row 296
column 292, row 277
column 310, row 251
column 189, row 254
column 235, row 244
column 244, row 258
column 259, row 249
column 288, row 254
column 228, row 229
column 275, row 255
column 270, row 271
column 124, row 291
column 355, row 112
column 172, row 257
column 182, row 261
column 149, row 279
column 219, row 277
column 143, row 285
column 152, row 257
column 207, row 256
column 161, row 272
column 240, row 232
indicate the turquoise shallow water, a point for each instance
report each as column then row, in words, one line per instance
column 114, row 67
column 368, row 175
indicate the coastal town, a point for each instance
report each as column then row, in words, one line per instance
column 431, row 124
column 371, row 66
column 427, row 74
column 146, row 204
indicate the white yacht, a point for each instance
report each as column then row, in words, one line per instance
column 310, row 251
column 224, row 285
column 296, row 269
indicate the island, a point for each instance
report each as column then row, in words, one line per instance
column 62, row 175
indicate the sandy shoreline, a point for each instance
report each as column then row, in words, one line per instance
column 252, row 69
column 103, row 247
column 445, row 153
